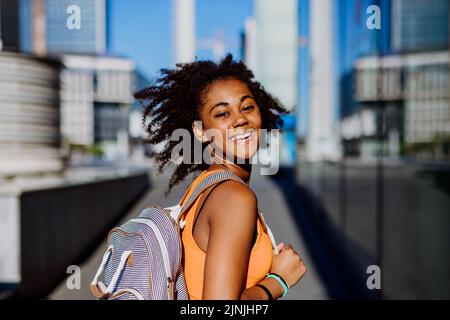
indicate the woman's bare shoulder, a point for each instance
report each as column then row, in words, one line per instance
column 230, row 196
column 234, row 191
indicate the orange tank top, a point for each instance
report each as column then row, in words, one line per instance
column 194, row 258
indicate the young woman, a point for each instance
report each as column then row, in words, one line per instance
column 227, row 252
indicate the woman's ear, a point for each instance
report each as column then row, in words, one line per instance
column 197, row 128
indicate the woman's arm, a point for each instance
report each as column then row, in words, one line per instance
column 232, row 214
column 257, row 293
column 287, row 263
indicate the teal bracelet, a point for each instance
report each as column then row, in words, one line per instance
column 280, row 281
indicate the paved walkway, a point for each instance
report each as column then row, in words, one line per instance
column 275, row 210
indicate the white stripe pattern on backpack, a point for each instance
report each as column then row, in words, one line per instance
column 161, row 243
column 143, row 258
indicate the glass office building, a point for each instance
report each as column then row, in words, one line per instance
column 419, row 25
column 60, row 34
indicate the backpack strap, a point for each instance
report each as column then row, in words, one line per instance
column 269, row 232
column 98, row 288
column 177, row 211
column 209, row 181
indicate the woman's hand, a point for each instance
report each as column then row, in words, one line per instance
column 288, row 264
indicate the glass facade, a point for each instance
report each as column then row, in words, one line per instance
column 420, row 24
column 61, row 15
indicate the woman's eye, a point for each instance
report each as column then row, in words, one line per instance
column 247, row 108
column 222, row 114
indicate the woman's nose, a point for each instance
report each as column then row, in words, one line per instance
column 240, row 120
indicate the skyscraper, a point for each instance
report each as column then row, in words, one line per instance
column 274, row 34
column 276, row 41
column 420, row 25
column 250, row 49
column 29, row 114
column 322, row 141
column 97, row 92
column 407, row 76
column 184, row 30
column 63, row 26
column 9, row 25
column 356, row 40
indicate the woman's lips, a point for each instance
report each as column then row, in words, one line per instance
column 244, row 138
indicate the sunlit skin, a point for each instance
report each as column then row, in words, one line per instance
column 226, row 226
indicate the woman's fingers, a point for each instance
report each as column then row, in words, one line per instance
column 280, row 246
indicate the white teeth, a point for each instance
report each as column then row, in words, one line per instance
column 240, row 138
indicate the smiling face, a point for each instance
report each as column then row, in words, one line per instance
column 230, row 111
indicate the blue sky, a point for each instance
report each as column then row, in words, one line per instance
column 141, row 29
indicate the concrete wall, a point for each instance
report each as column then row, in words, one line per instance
column 60, row 226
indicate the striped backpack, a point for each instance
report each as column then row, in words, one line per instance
column 143, row 258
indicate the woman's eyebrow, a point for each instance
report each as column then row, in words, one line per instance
column 226, row 103
column 246, row 97
column 219, row 104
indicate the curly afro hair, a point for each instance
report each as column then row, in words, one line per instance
column 174, row 102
